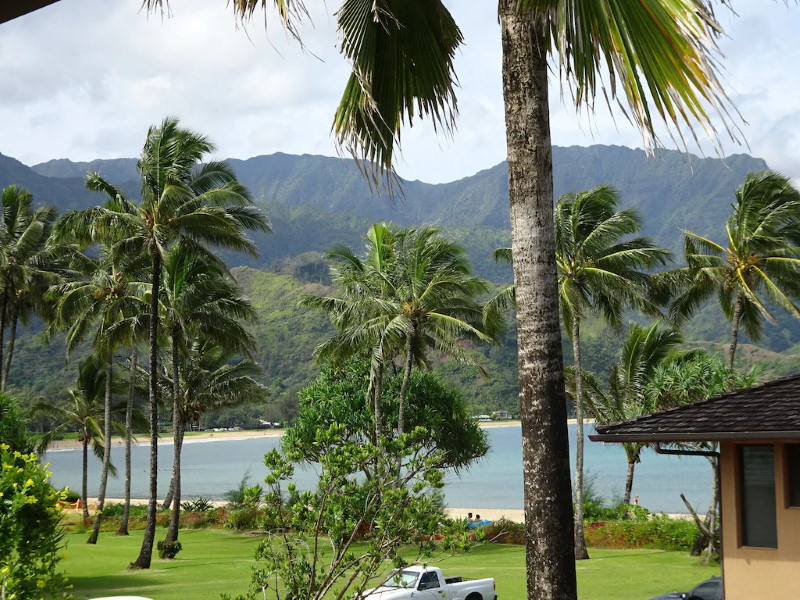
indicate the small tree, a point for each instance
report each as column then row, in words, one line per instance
column 30, row 529
column 334, row 541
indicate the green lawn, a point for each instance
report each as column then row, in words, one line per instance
column 215, row 561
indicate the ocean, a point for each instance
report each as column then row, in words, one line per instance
column 211, row 467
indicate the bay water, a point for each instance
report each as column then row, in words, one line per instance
column 212, row 467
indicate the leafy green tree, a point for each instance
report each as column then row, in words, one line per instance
column 627, row 397
column 14, row 431
column 321, row 548
column 659, row 57
column 202, row 205
column 599, row 270
column 337, row 397
column 758, row 264
column 31, row 536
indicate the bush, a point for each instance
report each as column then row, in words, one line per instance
column 504, row 531
column 168, row 549
column 246, row 519
column 659, row 532
column 199, row 505
column 596, row 511
column 69, row 495
column 31, row 535
column 116, row 510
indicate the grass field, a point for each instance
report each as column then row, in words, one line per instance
column 215, row 561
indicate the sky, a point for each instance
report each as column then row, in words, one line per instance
column 83, row 79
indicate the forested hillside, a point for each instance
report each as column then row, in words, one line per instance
column 316, row 202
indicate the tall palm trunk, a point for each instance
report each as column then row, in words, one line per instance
column 550, row 558
column 11, row 340
column 401, row 405
column 177, row 426
column 126, row 510
column 737, row 318
column 3, row 309
column 626, row 499
column 377, row 388
column 101, row 494
column 146, row 552
column 580, row 542
column 84, row 482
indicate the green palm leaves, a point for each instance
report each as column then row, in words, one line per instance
column 758, row 265
column 643, row 352
column 596, row 268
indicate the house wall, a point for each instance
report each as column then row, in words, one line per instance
column 758, row 572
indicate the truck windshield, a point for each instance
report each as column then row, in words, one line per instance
column 401, row 579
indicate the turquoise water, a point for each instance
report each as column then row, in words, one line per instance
column 210, row 468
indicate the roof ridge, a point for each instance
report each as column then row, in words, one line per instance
column 710, row 399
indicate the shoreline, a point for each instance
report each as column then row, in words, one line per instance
column 218, row 436
column 516, row 515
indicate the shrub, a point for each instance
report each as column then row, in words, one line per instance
column 69, row 495
column 658, row 532
column 504, row 531
column 245, row 519
column 31, row 535
column 168, row 549
column 199, row 505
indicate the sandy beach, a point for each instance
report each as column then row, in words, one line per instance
column 195, row 436
column 209, row 436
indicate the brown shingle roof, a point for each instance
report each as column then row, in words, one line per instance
column 767, row 411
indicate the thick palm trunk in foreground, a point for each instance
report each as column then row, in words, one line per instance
column 580, row 542
column 101, row 494
column 550, row 560
column 737, row 318
column 146, row 553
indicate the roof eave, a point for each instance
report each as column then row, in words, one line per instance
column 707, row 436
column 11, row 9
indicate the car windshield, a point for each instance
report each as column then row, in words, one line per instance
column 401, row 579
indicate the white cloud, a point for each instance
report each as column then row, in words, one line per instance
column 85, row 78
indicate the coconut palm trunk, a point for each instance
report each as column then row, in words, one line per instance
column 126, row 509
column 735, row 321
column 85, row 472
column 146, row 552
column 101, row 494
column 11, row 340
column 580, row 542
column 401, row 405
column 3, row 310
column 177, row 425
column 626, row 499
column 377, row 389
column 550, row 565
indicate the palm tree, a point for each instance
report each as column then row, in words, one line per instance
column 642, row 353
column 436, row 305
column 200, row 299
column 200, row 205
column 597, row 271
column 360, row 312
column 412, row 293
column 758, row 263
column 658, row 55
column 29, row 264
column 84, row 411
column 100, row 305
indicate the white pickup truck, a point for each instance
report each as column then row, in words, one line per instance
column 428, row 583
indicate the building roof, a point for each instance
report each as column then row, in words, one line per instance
column 767, row 411
column 11, row 9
